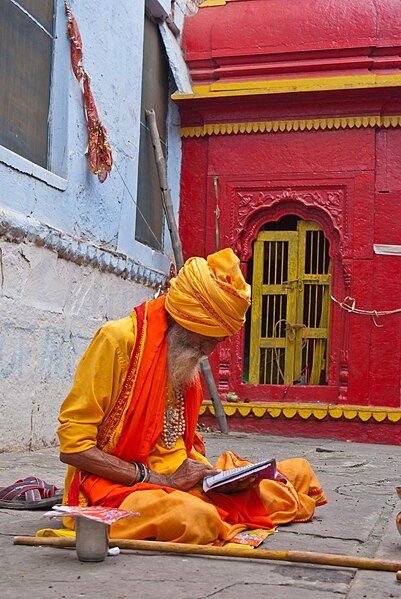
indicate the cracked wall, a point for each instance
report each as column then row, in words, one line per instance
column 49, row 310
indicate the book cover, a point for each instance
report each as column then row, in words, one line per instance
column 223, row 481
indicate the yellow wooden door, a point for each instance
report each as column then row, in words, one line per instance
column 290, row 307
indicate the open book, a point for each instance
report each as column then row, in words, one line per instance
column 260, row 470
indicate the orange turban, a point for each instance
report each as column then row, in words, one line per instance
column 211, row 296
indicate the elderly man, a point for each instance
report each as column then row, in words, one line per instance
column 127, row 428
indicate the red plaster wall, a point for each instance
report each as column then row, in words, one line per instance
column 374, row 371
column 367, row 162
column 268, row 38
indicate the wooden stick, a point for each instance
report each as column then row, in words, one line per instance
column 178, row 256
column 164, row 188
column 306, row 557
column 214, row 396
column 63, row 542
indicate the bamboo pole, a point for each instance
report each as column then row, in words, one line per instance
column 214, row 396
column 164, row 188
column 305, row 557
column 178, row 256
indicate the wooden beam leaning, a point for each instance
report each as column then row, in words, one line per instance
column 304, row 557
column 178, row 256
column 164, row 188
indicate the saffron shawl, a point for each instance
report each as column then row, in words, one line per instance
column 136, row 421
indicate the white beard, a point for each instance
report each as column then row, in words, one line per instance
column 182, row 359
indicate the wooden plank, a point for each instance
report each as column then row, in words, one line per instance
column 256, row 312
column 291, row 313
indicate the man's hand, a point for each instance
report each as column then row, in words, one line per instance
column 238, row 485
column 189, row 474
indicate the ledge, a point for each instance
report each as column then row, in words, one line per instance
column 306, row 411
column 17, row 228
column 21, row 164
column 289, row 86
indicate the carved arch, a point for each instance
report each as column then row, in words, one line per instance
column 326, row 206
column 254, row 209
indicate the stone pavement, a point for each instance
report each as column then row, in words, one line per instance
column 359, row 481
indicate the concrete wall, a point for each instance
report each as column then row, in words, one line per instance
column 50, row 308
column 68, row 256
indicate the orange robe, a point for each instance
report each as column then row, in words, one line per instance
column 118, row 406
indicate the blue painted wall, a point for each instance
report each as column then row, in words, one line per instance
column 105, row 214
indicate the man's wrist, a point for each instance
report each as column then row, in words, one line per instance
column 164, row 480
column 142, row 474
column 169, row 481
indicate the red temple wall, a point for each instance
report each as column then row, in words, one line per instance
column 368, row 161
column 248, row 62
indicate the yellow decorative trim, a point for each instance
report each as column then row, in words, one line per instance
column 306, row 411
column 259, row 412
column 289, row 412
column 348, row 122
column 208, row 3
column 336, row 412
column 289, row 86
column 231, row 411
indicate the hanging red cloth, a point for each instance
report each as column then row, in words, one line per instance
column 99, row 152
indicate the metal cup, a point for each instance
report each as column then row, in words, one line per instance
column 92, row 539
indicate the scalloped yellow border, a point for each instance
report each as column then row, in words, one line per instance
column 305, row 411
column 348, row 122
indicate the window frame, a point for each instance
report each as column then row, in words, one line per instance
column 145, row 147
column 55, row 174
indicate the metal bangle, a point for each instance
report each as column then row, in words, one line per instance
column 135, row 479
column 147, row 477
column 142, row 470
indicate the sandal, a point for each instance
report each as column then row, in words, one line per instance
column 30, row 493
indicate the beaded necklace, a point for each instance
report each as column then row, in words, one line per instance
column 174, row 417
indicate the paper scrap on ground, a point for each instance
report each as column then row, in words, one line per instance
column 251, row 537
